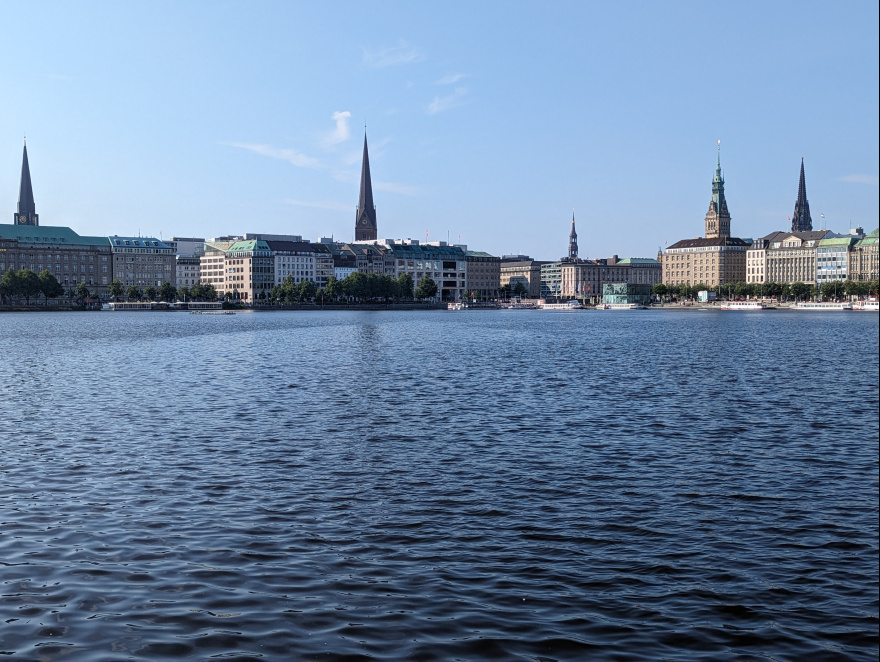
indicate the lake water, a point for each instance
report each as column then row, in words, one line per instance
column 431, row 485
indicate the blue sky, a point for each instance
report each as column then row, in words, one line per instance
column 487, row 121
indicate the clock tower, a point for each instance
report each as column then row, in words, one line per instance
column 27, row 213
column 365, row 228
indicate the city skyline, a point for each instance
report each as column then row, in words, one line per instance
column 228, row 120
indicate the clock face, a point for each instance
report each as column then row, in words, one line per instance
column 22, row 219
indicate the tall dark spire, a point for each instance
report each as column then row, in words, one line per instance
column 27, row 212
column 800, row 220
column 572, row 240
column 365, row 228
column 718, row 218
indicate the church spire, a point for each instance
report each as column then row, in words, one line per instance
column 801, row 220
column 27, row 212
column 572, row 240
column 718, row 218
column 365, row 228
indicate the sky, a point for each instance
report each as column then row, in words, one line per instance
column 489, row 123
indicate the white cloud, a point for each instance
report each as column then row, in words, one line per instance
column 870, row 180
column 393, row 187
column 341, row 133
column 332, row 205
column 289, row 155
column 403, row 53
column 449, row 79
column 441, row 104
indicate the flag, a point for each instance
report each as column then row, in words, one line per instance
column 822, row 215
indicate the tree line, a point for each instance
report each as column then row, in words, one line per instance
column 354, row 287
column 26, row 284
column 781, row 291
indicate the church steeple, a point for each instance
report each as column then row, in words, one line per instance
column 800, row 220
column 572, row 240
column 27, row 212
column 365, row 228
column 718, row 218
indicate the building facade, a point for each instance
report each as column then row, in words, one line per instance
column 188, row 270
column 790, row 257
column 143, row 261
column 586, row 279
column 72, row 259
column 863, row 265
column 483, row 275
column 521, row 269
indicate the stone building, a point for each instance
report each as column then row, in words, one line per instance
column 863, row 264
column 483, row 275
column 71, row 258
column 713, row 260
column 143, row 261
column 365, row 226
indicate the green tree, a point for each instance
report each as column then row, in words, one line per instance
column 49, row 285
column 150, row 293
column 210, row 293
column 82, row 293
column 167, row 292
column 832, row 290
column 405, row 286
column 660, row 290
column 520, row 290
column 799, row 290
column 183, row 293
column 9, row 285
column 427, row 288
column 133, row 293
column 115, row 289
column 29, row 284
column 504, row 291
column 333, row 289
column 306, row 290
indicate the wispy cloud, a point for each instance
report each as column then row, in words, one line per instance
column 332, row 205
column 441, row 104
column 449, row 79
column 393, row 187
column 870, row 180
column 389, row 56
column 289, row 155
column 341, row 133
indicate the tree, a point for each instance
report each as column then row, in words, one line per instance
column 82, row 293
column 504, row 291
column 832, row 290
column 133, row 293
column 167, row 292
column 115, row 289
column 29, row 284
column 306, row 290
column 404, row 286
column 9, row 285
column 183, row 293
column 520, row 290
column 660, row 290
column 150, row 293
column 49, row 285
column 333, row 289
column 799, row 290
column 427, row 288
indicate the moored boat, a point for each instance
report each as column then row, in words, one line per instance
column 571, row 304
column 821, row 305
column 870, row 306
column 619, row 306
column 742, row 305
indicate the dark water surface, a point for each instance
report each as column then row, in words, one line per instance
column 429, row 485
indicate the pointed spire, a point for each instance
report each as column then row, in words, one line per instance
column 718, row 217
column 572, row 240
column 365, row 228
column 27, row 212
column 801, row 220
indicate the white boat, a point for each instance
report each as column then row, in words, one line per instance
column 619, row 306
column 571, row 304
column 821, row 305
column 871, row 306
column 455, row 305
column 742, row 305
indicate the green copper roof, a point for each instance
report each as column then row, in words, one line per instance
column 47, row 234
column 248, row 246
column 638, row 260
column 837, row 241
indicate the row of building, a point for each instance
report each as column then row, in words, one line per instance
column 248, row 266
column 800, row 254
